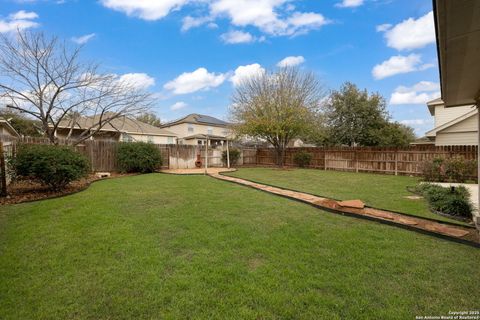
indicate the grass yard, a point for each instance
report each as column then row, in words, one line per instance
column 376, row 190
column 174, row 247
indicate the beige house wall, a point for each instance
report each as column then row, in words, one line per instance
column 456, row 139
column 181, row 130
column 444, row 115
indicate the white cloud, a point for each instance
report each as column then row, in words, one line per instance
column 138, row 80
column 20, row 20
column 291, row 61
column 83, row 39
column 273, row 17
column 178, row 105
column 235, row 37
column 349, row 3
column 410, row 34
column 418, row 122
column 244, row 72
column 190, row 22
column 420, row 93
column 383, row 27
column 399, row 64
column 264, row 14
column 189, row 82
column 145, row 9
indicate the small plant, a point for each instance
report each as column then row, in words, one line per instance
column 433, row 170
column 454, row 201
column 302, row 159
column 234, row 155
column 455, row 169
column 54, row 166
column 459, row 169
column 139, row 157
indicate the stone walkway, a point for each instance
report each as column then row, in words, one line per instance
column 352, row 208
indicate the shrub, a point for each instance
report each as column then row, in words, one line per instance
column 453, row 170
column 302, row 159
column 54, row 166
column 459, row 169
column 138, row 157
column 433, row 170
column 451, row 201
column 234, row 156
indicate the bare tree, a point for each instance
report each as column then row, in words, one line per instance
column 277, row 106
column 44, row 78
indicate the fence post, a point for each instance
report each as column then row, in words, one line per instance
column 355, row 155
column 3, row 172
column 396, row 162
column 325, row 159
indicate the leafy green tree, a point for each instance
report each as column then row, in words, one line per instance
column 395, row 134
column 22, row 124
column 277, row 107
column 356, row 118
column 150, row 118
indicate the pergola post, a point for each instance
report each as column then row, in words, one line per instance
column 477, row 103
column 206, row 154
column 228, row 156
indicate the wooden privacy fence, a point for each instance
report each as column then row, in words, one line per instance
column 405, row 161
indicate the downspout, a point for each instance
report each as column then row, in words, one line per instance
column 477, row 218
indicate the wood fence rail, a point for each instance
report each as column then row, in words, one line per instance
column 398, row 161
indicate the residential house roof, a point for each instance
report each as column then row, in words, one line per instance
column 4, row 122
column 196, row 118
column 433, row 132
column 122, row 124
column 433, row 103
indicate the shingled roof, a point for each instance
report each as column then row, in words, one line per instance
column 198, row 119
column 122, row 124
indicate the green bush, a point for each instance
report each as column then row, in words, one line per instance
column 234, row 156
column 302, row 159
column 455, row 169
column 451, row 201
column 138, row 157
column 459, row 169
column 54, row 166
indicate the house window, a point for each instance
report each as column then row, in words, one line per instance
column 126, row 137
column 170, row 140
column 200, row 142
column 190, row 128
column 210, row 130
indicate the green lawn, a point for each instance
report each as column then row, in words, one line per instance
column 376, row 190
column 175, row 247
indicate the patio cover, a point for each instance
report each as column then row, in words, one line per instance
column 457, row 24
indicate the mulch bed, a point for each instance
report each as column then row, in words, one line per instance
column 29, row 190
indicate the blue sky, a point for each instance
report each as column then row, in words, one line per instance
column 192, row 52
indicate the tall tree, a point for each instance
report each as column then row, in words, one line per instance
column 22, row 124
column 355, row 117
column 277, row 106
column 150, row 118
column 42, row 77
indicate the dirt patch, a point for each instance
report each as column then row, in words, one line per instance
column 29, row 190
column 255, row 263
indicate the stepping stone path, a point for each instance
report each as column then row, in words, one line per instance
column 358, row 208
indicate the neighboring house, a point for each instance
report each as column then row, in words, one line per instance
column 120, row 129
column 7, row 132
column 453, row 126
column 194, row 129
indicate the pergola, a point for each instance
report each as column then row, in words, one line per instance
column 457, row 25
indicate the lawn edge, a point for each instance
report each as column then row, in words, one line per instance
column 369, row 218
